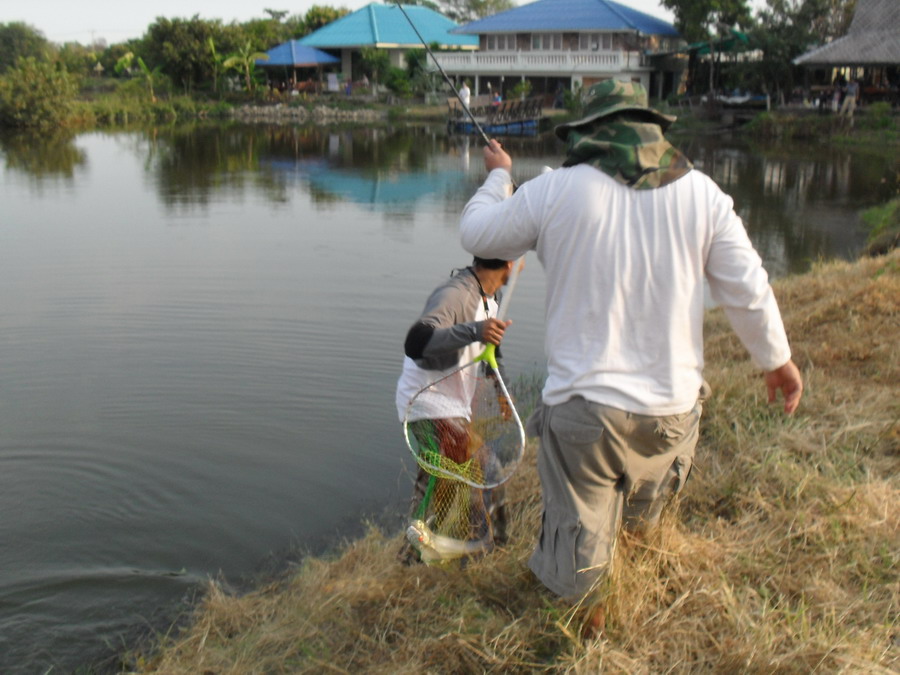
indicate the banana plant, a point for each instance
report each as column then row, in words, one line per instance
column 244, row 61
column 218, row 62
column 125, row 63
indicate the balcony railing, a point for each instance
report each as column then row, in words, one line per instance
column 465, row 63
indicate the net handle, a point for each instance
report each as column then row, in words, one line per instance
column 510, row 287
column 489, row 354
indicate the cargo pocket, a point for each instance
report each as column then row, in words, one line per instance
column 646, row 503
column 570, row 557
column 679, row 473
column 554, row 559
column 670, row 430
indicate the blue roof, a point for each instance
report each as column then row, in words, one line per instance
column 378, row 25
column 570, row 15
column 292, row 53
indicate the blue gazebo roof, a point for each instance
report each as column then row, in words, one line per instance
column 570, row 15
column 293, row 54
column 378, row 25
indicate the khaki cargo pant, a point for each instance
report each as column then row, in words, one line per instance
column 600, row 469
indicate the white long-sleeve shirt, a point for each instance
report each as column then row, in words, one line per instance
column 625, row 271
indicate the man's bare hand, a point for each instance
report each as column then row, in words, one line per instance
column 786, row 379
column 493, row 330
column 495, row 157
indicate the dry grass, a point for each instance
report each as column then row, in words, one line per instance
column 782, row 556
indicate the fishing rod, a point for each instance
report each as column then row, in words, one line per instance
column 487, row 141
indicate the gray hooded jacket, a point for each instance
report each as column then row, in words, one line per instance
column 447, row 323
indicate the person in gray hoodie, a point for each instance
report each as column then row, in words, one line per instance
column 458, row 320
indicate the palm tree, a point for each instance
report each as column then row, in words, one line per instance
column 245, row 60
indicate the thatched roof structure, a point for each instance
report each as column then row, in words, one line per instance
column 873, row 39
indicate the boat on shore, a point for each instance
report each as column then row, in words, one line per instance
column 513, row 117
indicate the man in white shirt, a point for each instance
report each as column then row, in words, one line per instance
column 465, row 94
column 627, row 232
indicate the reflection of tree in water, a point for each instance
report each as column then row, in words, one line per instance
column 42, row 155
column 372, row 165
column 195, row 164
column 365, row 149
column 192, row 163
column 798, row 204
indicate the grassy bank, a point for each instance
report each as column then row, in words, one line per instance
column 782, row 556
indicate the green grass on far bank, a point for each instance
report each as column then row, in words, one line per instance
column 783, row 554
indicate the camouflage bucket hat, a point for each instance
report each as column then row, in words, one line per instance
column 612, row 96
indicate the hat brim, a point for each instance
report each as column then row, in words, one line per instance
column 665, row 121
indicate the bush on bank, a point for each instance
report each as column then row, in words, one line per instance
column 36, row 94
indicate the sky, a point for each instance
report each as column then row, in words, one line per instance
column 117, row 20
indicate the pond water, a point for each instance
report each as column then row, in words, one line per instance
column 201, row 329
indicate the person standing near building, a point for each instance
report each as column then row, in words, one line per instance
column 465, row 94
column 627, row 232
column 851, row 94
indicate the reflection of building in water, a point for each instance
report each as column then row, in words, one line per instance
column 839, row 176
column 375, row 188
column 726, row 170
column 773, row 177
column 797, row 205
column 806, row 171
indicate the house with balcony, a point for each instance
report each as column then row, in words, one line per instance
column 564, row 44
column 384, row 26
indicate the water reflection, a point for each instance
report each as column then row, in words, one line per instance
column 43, row 155
column 799, row 203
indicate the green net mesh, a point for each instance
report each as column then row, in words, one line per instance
column 464, row 452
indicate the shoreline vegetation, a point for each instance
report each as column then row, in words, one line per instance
column 782, row 555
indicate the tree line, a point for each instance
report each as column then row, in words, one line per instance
column 40, row 80
column 778, row 33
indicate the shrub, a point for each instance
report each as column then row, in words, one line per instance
column 184, row 107
column 398, row 82
column 220, row 109
column 877, row 116
column 883, row 218
column 36, row 94
column 521, row 90
column 786, row 126
column 573, row 100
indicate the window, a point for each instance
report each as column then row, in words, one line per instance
column 546, row 41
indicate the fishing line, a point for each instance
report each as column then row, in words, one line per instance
column 484, row 136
